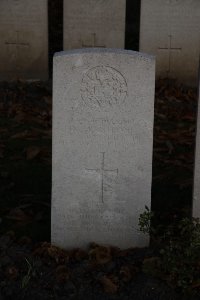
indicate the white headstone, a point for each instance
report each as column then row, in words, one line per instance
column 170, row 29
column 23, row 39
column 94, row 23
column 103, row 107
column 196, row 189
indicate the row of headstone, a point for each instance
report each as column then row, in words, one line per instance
column 24, row 32
column 169, row 29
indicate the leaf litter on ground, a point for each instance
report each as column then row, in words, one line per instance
column 25, row 127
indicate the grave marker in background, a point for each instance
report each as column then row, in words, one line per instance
column 170, row 29
column 196, row 189
column 94, row 23
column 23, row 39
column 103, row 107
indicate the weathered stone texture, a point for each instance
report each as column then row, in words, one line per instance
column 170, row 29
column 94, row 23
column 196, row 191
column 23, row 39
column 103, row 107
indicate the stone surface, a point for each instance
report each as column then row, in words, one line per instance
column 196, row 190
column 94, row 23
column 103, row 106
column 170, row 29
column 23, row 39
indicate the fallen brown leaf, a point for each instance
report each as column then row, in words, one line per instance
column 125, row 273
column 12, row 272
column 32, row 152
column 20, row 135
column 1, row 153
column 18, row 214
column 62, row 274
column 196, row 284
column 20, row 116
column 151, row 265
column 48, row 250
column 78, row 254
column 100, row 254
column 109, row 285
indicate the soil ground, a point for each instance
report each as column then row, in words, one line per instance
column 30, row 268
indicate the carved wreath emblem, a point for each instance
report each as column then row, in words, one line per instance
column 103, row 87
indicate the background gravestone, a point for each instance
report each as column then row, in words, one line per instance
column 94, row 23
column 170, row 29
column 196, row 189
column 23, row 39
column 103, row 107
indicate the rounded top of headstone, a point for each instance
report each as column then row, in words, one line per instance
column 174, row 2
column 104, row 51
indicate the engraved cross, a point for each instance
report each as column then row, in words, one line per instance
column 102, row 172
column 169, row 49
column 17, row 44
column 93, row 44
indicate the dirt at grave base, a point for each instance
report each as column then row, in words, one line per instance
column 41, row 271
